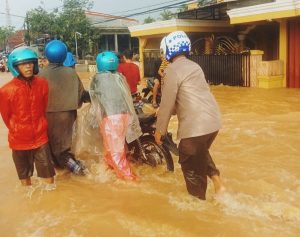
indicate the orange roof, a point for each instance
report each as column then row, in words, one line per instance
column 16, row 39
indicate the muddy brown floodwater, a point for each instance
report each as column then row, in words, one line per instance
column 257, row 151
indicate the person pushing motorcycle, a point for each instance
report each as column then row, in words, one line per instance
column 186, row 90
column 111, row 99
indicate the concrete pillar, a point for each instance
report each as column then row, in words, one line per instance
column 106, row 42
column 255, row 60
column 142, row 44
column 283, row 42
column 116, row 43
column 208, row 45
column 241, row 38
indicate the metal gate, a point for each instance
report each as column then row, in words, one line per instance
column 231, row 70
column 151, row 62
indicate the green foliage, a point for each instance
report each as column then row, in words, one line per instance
column 71, row 20
column 182, row 8
column 5, row 32
column 166, row 15
column 40, row 22
column 62, row 24
column 149, row 19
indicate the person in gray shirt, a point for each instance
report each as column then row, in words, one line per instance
column 186, row 91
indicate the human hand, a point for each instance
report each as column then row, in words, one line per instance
column 161, row 73
column 157, row 136
column 156, row 112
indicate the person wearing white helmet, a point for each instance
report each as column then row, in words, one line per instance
column 186, row 91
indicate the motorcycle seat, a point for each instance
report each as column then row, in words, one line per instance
column 146, row 118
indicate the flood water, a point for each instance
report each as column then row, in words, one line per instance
column 257, row 152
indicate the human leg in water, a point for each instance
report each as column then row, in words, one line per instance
column 75, row 166
column 197, row 163
column 212, row 172
column 113, row 129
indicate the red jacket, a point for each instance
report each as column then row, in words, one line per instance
column 23, row 105
column 132, row 75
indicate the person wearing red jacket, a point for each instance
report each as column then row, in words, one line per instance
column 23, row 103
column 130, row 71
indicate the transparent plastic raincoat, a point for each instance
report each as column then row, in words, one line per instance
column 116, row 119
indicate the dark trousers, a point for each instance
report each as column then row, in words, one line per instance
column 60, row 130
column 26, row 159
column 196, row 163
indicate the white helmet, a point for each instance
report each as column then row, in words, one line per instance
column 174, row 44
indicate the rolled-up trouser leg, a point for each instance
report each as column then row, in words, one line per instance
column 211, row 167
column 196, row 163
column 113, row 130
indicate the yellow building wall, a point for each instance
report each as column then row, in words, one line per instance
column 264, row 16
column 192, row 6
column 283, row 45
column 142, row 44
column 166, row 30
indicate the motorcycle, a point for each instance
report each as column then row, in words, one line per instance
column 148, row 90
column 141, row 146
column 2, row 67
column 145, row 148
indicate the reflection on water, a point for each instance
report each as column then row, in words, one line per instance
column 257, row 151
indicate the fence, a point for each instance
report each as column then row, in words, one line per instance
column 232, row 70
column 151, row 62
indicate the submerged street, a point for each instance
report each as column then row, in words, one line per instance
column 257, row 152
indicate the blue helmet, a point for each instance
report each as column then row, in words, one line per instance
column 70, row 61
column 107, row 61
column 56, row 51
column 174, row 44
column 22, row 55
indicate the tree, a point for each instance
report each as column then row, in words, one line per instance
column 182, row 8
column 166, row 15
column 61, row 24
column 40, row 22
column 73, row 19
column 5, row 32
column 149, row 19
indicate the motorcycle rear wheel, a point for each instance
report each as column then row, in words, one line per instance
column 156, row 154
